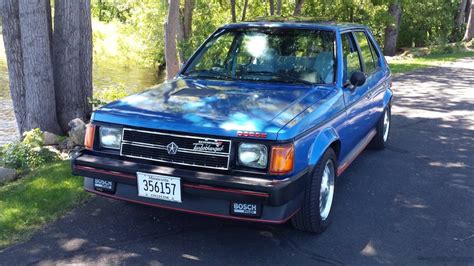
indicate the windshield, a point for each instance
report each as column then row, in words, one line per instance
column 271, row 55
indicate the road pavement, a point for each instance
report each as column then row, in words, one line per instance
column 412, row 203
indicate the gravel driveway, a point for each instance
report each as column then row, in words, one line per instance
column 412, row 203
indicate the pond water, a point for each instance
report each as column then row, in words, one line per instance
column 105, row 75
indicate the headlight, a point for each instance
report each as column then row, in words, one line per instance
column 110, row 137
column 253, row 155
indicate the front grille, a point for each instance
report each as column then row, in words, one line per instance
column 176, row 149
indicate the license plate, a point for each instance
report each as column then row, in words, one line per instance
column 159, row 187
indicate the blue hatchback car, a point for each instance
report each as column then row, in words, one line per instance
column 257, row 126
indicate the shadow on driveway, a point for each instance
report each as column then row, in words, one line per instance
column 411, row 203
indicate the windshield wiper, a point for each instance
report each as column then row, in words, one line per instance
column 281, row 76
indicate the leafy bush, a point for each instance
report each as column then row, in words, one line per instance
column 27, row 154
column 110, row 94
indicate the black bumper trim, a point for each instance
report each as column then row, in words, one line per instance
column 124, row 171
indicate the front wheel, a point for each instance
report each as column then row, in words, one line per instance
column 315, row 213
column 383, row 130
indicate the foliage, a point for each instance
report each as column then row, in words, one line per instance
column 27, row 154
column 110, row 94
column 40, row 197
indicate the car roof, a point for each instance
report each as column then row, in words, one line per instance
column 296, row 23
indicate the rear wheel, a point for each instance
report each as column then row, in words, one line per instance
column 315, row 213
column 383, row 130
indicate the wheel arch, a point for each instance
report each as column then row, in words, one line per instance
column 328, row 138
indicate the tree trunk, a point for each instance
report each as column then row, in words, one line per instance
column 470, row 25
column 72, row 60
column 12, row 41
column 232, row 11
column 37, row 67
column 459, row 19
column 188, row 18
column 278, row 11
column 172, row 66
column 272, row 7
column 50, row 25
column 392, row 29
column 299, row 4
column 244, row 9
column 180, row 37
column 85, row 55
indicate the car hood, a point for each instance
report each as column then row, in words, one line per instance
column 212, row 107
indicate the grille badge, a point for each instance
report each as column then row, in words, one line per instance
column 172, row 148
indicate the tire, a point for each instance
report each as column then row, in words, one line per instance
column 311, row 218
column 381, row 137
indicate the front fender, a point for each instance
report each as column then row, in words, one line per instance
column 324, row 139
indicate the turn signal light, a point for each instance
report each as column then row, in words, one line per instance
column 282, row 159
column 89, row 139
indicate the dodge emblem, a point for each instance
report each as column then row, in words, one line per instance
column 172, row 148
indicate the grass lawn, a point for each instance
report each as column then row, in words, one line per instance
column 410, row 64
column 40, row 197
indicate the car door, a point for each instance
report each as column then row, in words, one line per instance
column 375, row 80
column 355, row 98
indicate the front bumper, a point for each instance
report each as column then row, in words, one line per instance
column 202, row 192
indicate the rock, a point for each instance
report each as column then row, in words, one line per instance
column 7, row 175
column 77, row 132
column 50, row 138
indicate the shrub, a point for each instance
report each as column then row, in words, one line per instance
column 27, row 154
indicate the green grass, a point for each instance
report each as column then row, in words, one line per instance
column 410, row 64
column 36, row 199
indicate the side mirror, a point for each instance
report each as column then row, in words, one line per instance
column 357, row 79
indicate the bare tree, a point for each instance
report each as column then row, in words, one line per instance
column 244, row 9
column 232, row 11
column 278, row 11
column 299, row 4
column 272, row 7
column 37, row 67
column 171, row 30
column 72, row 60
column 470, row 25
column 392, row 29
column 12, row 41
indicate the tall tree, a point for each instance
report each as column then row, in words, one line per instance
column 244, row 10
column 299, row 4
column 278, row 10
column 37, row 66
column 232, row 11
column 459, row 20
column 272, row 7
column 12, row 41
column 171, row 30
column 470, row 25
column 72, row 60
column 392, row 28
column 188, row 18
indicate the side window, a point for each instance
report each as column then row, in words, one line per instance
column 350, row 56
column 367, row 52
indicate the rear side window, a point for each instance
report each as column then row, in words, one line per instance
column 369, row 57
column 350, row 56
